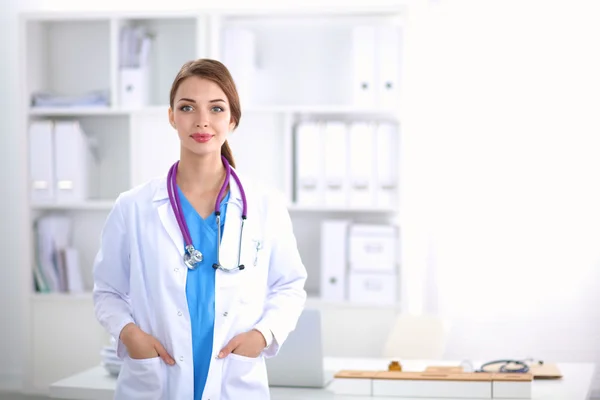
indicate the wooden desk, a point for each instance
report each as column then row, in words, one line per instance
column 97, row 384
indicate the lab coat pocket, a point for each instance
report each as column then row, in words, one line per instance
column 245, row 378
column 142, row 379
column 242, row 358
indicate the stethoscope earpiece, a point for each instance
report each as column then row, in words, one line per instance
column 215, row 265
column 242, row 267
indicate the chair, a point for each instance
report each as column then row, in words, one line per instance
column 416, row 337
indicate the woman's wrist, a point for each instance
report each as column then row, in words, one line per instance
column 126, row 332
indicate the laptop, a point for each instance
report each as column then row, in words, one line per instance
column 299, row 362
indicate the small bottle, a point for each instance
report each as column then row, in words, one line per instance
column 395, row 366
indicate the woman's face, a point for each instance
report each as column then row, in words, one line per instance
column 201, row 115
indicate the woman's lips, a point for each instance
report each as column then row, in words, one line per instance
column 201, row 137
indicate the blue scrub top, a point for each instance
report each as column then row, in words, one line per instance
column 200, row 287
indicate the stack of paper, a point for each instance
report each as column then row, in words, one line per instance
column 92, row 99
column 57, row 268
column 110, row 361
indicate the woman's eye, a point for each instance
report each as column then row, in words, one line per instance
column 186, row 108
column 217, row 109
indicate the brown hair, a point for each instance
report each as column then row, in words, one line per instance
column 215, row 71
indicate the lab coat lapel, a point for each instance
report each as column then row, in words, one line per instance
column 167, row 216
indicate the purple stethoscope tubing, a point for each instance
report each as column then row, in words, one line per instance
column 193, row 256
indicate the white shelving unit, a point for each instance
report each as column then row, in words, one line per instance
column 304, row 73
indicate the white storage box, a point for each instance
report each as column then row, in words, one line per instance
column 372, row 288
column 373, row 248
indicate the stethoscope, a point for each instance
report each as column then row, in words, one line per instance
column 193, row 256
column 506, row 366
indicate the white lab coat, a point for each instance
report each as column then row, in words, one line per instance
column 140, row 277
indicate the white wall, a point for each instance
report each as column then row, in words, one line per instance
column 500, row 141
column 505, row 135
column 11, row 200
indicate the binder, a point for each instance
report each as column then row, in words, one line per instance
column 309, row 164
column 336, row 163
column 134, row 87
column 153, row 135
column 72, row 158
column 388, row 39
column 41, row 162
column 363, row 60
column 334, row 259
column 361, row 164
column 239, row 55
column 387, row 154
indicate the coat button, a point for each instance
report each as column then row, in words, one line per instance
column 179, row 313
column 181, row 358
column 176, row 269
column 225, row 314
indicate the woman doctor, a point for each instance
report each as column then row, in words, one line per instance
column 198, row 275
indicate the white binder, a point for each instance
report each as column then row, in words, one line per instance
column 336, row 163
column 361, row 164
column 239, row 55
column 388, row 51
column 134, row 87
column 334, row 259
column 363, row 59
column 72, row 158
column 41, row 162
column 157, row 146
column 309, row 164
column 386, row 157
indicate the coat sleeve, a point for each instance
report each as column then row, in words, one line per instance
column 111, row 277
column 286, row 279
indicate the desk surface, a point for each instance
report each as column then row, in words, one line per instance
column 97, row 384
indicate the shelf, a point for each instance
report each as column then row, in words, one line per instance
column 319, row 109
column 61, row 296
column 291, row 109
column 314, row 301
column 75, row 111
column 100, row 205
column 341, row 209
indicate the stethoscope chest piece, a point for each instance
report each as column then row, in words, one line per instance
column 192, row 257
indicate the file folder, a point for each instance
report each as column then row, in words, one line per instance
column 388, row 66
column 152, row 134
column 239, row 55
column 309, row 164
column 72, row 162
column 134, row 87
column 361, row 160
column 334, row 259
column 387, row 155
column 336, row 163
column 363, row 60
column 41, row 162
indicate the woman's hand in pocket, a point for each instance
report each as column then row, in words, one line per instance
column 247, row 344
column 140, row 345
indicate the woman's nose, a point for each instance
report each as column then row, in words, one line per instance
column 202, row 120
